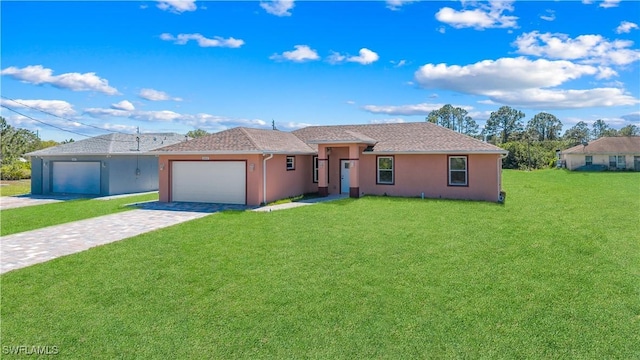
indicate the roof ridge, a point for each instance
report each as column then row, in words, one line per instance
column 251, row 139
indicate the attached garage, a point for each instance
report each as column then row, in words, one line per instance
column 82, row 177
column 223, row 182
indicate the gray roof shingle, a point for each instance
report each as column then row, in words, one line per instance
column 244, row 140
column 418, row 137
column 608, row 145
column 124, row 144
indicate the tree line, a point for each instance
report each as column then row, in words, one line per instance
column 532, row 144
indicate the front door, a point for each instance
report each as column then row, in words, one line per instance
column 636, row 160
column 344, row 176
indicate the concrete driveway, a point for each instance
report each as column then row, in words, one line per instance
column 10, row 202
column 32, row 247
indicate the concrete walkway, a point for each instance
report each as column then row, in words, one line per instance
column 10, row 202
column 36, row 246
column 295, row 204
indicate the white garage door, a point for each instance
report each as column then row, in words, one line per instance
column 82, row 177
column 221, row 182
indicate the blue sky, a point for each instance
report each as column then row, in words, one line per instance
column 173, row 66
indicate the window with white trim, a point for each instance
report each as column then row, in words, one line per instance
column 291, row 163
column 315, row 169
column 458, row 171
column 622, row 162
column 612, row 162
column 588, row 160
column 385, row 170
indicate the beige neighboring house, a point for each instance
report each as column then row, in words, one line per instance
column 614, row 153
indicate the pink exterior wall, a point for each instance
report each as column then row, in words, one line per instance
column 283, row 183
column 415, row 174
column 337, row 154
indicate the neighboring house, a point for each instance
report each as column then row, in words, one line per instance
column 254, row 166
column 615, row 153
column 103, row 165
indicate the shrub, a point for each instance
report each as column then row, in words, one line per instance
column 15, row 170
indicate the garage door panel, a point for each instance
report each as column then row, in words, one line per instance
column 82, row 177
column 209, row 181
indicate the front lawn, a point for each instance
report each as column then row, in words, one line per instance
column 14, row 187
column 35, row 217
column 553, row 273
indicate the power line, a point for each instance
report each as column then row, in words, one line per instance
column 63, row 129
column 60, row 117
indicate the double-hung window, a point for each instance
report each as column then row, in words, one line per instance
column 385, row 170
column 458, row 175
column 291, row 163
column 588, row 160
column 612, row 162
column 622, row 162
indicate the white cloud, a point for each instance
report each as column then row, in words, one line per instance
column 177, row 6
column 155, row 95
column 365, row 57
column 336, row 58
column 202, row 41
column 413, row 109
column 350, row 102
column 565, row 99
column 290, row 125
column 160, row 115
column 633, row 117
column 626, row 27
column 37, row 74
column 278, row 7
column 56, row 107
column 123, row 105
column 400, row 63
column 609, row 3
column 101, row 112
column 395, row 5
column 587, row 48
column 479, row 15
column 488, row 76
column 441, row 29
column 526, row 83
column 301, row 53
column 387, row 121
column 550, row 15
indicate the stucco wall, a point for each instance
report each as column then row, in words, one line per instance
column 574, row 161
column 123, row 178
column 283, row 183
column 428, row 174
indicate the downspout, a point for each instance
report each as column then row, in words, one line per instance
column 264, row 178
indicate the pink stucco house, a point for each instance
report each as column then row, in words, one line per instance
column 255, row 166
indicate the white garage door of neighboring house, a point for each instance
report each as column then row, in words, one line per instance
column 81, row 177
column 221, row 182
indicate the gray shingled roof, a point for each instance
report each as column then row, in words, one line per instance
column 125, row 144
column 422, row 137
column 608, row 145
column 418, row 137
column 243, row 140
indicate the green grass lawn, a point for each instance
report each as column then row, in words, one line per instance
column 15, row 187
column 553, row 273
column 35, row 217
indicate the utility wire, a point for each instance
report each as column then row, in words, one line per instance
column 63, row 129
column 60, row 117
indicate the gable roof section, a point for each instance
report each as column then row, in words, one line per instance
column 111, row 144
column 242, row 140
column 418, row 137
column 608, row 145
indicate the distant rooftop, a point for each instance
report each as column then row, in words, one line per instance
column 608, row 145
column 124, row 144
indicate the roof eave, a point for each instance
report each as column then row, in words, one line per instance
column 436, row 152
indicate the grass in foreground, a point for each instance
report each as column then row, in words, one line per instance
column 35, row 217
column 554, row 273
column 15, row 187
